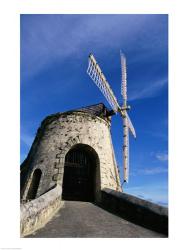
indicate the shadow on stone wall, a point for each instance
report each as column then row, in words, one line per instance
column 136, row 210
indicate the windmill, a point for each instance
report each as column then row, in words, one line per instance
column 96, row 74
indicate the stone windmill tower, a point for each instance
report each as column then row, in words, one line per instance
column 73, row 149
column 72, row 158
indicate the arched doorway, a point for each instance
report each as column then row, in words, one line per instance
column 80, row 173
column 34, row 184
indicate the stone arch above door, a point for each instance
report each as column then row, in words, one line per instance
column 63, row 150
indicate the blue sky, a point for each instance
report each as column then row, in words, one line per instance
column 54, row 56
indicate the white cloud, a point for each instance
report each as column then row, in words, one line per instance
column 162, row 156
column 159, row 134
column 149, row 171
column 47, row 38
column 150, row 90
column 27, row 139
column 153, row 171
column 157, row 193
column 54, row 37
column 22, row 157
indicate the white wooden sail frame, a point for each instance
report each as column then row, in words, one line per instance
column 96, row 74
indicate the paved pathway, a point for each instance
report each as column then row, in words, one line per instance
column 86, row 220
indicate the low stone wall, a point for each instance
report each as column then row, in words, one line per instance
column 36, row 213
column 137, row 210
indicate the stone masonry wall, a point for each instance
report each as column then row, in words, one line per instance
column 38, row 212
column 136, row 210
column 56, row 136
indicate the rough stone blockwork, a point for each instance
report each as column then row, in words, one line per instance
column 42, row 172
column 36, row 213
column 137, row 210
column 57, row 135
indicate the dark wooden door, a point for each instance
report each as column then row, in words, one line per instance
column 78, row 176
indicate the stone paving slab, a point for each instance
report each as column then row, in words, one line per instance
column 86, row 220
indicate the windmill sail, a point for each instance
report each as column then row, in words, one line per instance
column 123, row 76
column 127, row 124
column 131, row 126
column 125, row 149
column 98, row 77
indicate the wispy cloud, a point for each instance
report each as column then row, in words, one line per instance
column 27, row 139
column 153, row 171
column 150, row 90
column 157, row 134
column 22, row 157
column 58, row 37
column 157, row 192
column 162, row 156
column 149, row 171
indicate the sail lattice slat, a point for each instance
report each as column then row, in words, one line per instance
column 99, row 79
